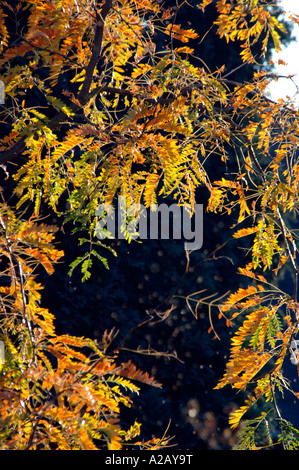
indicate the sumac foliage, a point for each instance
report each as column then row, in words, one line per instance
column 95, row 108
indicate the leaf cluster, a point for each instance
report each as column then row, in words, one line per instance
column 57, row 391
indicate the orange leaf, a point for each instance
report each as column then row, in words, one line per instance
column 129, row 370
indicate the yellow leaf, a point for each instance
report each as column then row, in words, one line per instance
column 141, row 69
column 243, row 232
column 233, row 299
column 179, row 33
column 72, row 139
column 185, row 50
column 150, row 189
column 235, row 416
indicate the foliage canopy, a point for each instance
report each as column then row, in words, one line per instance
column 95, row 109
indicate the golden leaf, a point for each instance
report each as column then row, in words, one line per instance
column 179, row 33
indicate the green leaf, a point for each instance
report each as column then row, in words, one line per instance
column 101, row 258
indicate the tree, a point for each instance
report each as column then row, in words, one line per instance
column 94, row 108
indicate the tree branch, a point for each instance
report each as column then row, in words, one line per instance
column 97, row 50
column 10, row 154
column 19, row 146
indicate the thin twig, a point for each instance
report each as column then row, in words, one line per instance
column 25, row 313
column 277, row 410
